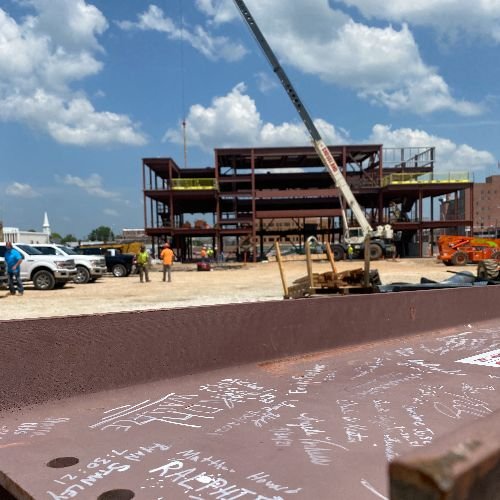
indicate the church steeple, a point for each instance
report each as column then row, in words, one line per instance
column 46, row 225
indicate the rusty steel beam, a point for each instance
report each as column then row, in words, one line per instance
column 280, row 400
column 461, row 465
column 63, row 357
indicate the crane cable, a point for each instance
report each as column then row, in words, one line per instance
column 183, row 84
column 183, row 96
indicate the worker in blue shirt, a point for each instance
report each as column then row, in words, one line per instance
column 13, row 260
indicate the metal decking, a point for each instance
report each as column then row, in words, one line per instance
column 305, row 399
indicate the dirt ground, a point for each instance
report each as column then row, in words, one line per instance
column 229, row 284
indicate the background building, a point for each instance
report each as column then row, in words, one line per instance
column 481, row 205
column 486, row 206
column 16, row 235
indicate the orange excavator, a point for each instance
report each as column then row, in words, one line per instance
column 461, row 250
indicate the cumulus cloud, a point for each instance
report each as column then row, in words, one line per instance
column 212, row 47
column 92, row 185
column 220, row 11
column 82, row 23
column 69, row 121
column 20, row 190
column 382, row 64
column 41, row 57
column 233, row 121
column 266, row 82
column 449, row 156
column 453, row 18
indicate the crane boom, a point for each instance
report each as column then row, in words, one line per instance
column 319, row 145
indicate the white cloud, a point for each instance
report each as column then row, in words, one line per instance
column 452, row 18
column 19, row 190
column 233, row 120
column 212, row 47
column 111, row 211
column 73, row 121
column 266, row 82
column 92, row 185
column 72, row 24
column 41, row 57
column 382, row 64
column 449, row 156
column 221, row 11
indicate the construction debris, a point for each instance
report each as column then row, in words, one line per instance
column 353, row 281
column 364, row 280
column 344, row 283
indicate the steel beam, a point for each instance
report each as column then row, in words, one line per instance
column 273, row 400
column 461, row 465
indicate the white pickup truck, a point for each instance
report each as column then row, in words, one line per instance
column 45, row 271
column 3, row 274
column 88, row 267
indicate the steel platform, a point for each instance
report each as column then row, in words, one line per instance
column 309, row 399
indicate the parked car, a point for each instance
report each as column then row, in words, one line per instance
column 120, row 264
column 88, row 267
column 45, row 271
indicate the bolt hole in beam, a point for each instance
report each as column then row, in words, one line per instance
column 116, row 495
column 61, row 462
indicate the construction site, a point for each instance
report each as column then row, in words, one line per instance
column 358, row 366
column 256, row 196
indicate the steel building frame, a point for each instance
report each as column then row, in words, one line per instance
column 248, row 187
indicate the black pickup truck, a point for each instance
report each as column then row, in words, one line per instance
column 120, row 264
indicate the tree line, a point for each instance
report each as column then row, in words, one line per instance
column 101, row 233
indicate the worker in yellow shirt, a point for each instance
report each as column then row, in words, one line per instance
column 167, row 257
column 142, row 262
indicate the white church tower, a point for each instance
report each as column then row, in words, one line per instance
column 46, row 225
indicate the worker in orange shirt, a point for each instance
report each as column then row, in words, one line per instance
column 167, row 257
column 204, row 254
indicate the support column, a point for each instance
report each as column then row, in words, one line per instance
column 254, row 232
column 420, row 216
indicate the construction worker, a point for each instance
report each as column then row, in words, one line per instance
column 142, row 260
column 203, row 254
column 167, row 257
column 350, row 252
column 210, row 254
column 13, row 259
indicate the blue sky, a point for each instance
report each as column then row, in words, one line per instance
column 89, row 88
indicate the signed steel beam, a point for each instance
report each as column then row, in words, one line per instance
column 263, row 401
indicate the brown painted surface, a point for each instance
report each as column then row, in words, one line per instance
column 307, row 399
column 62, row 357
column 461, row 465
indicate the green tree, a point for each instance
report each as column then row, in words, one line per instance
column 55, row 237
column 68, row 238
column 102, row 233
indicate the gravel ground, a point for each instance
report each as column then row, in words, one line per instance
column 231, row 284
